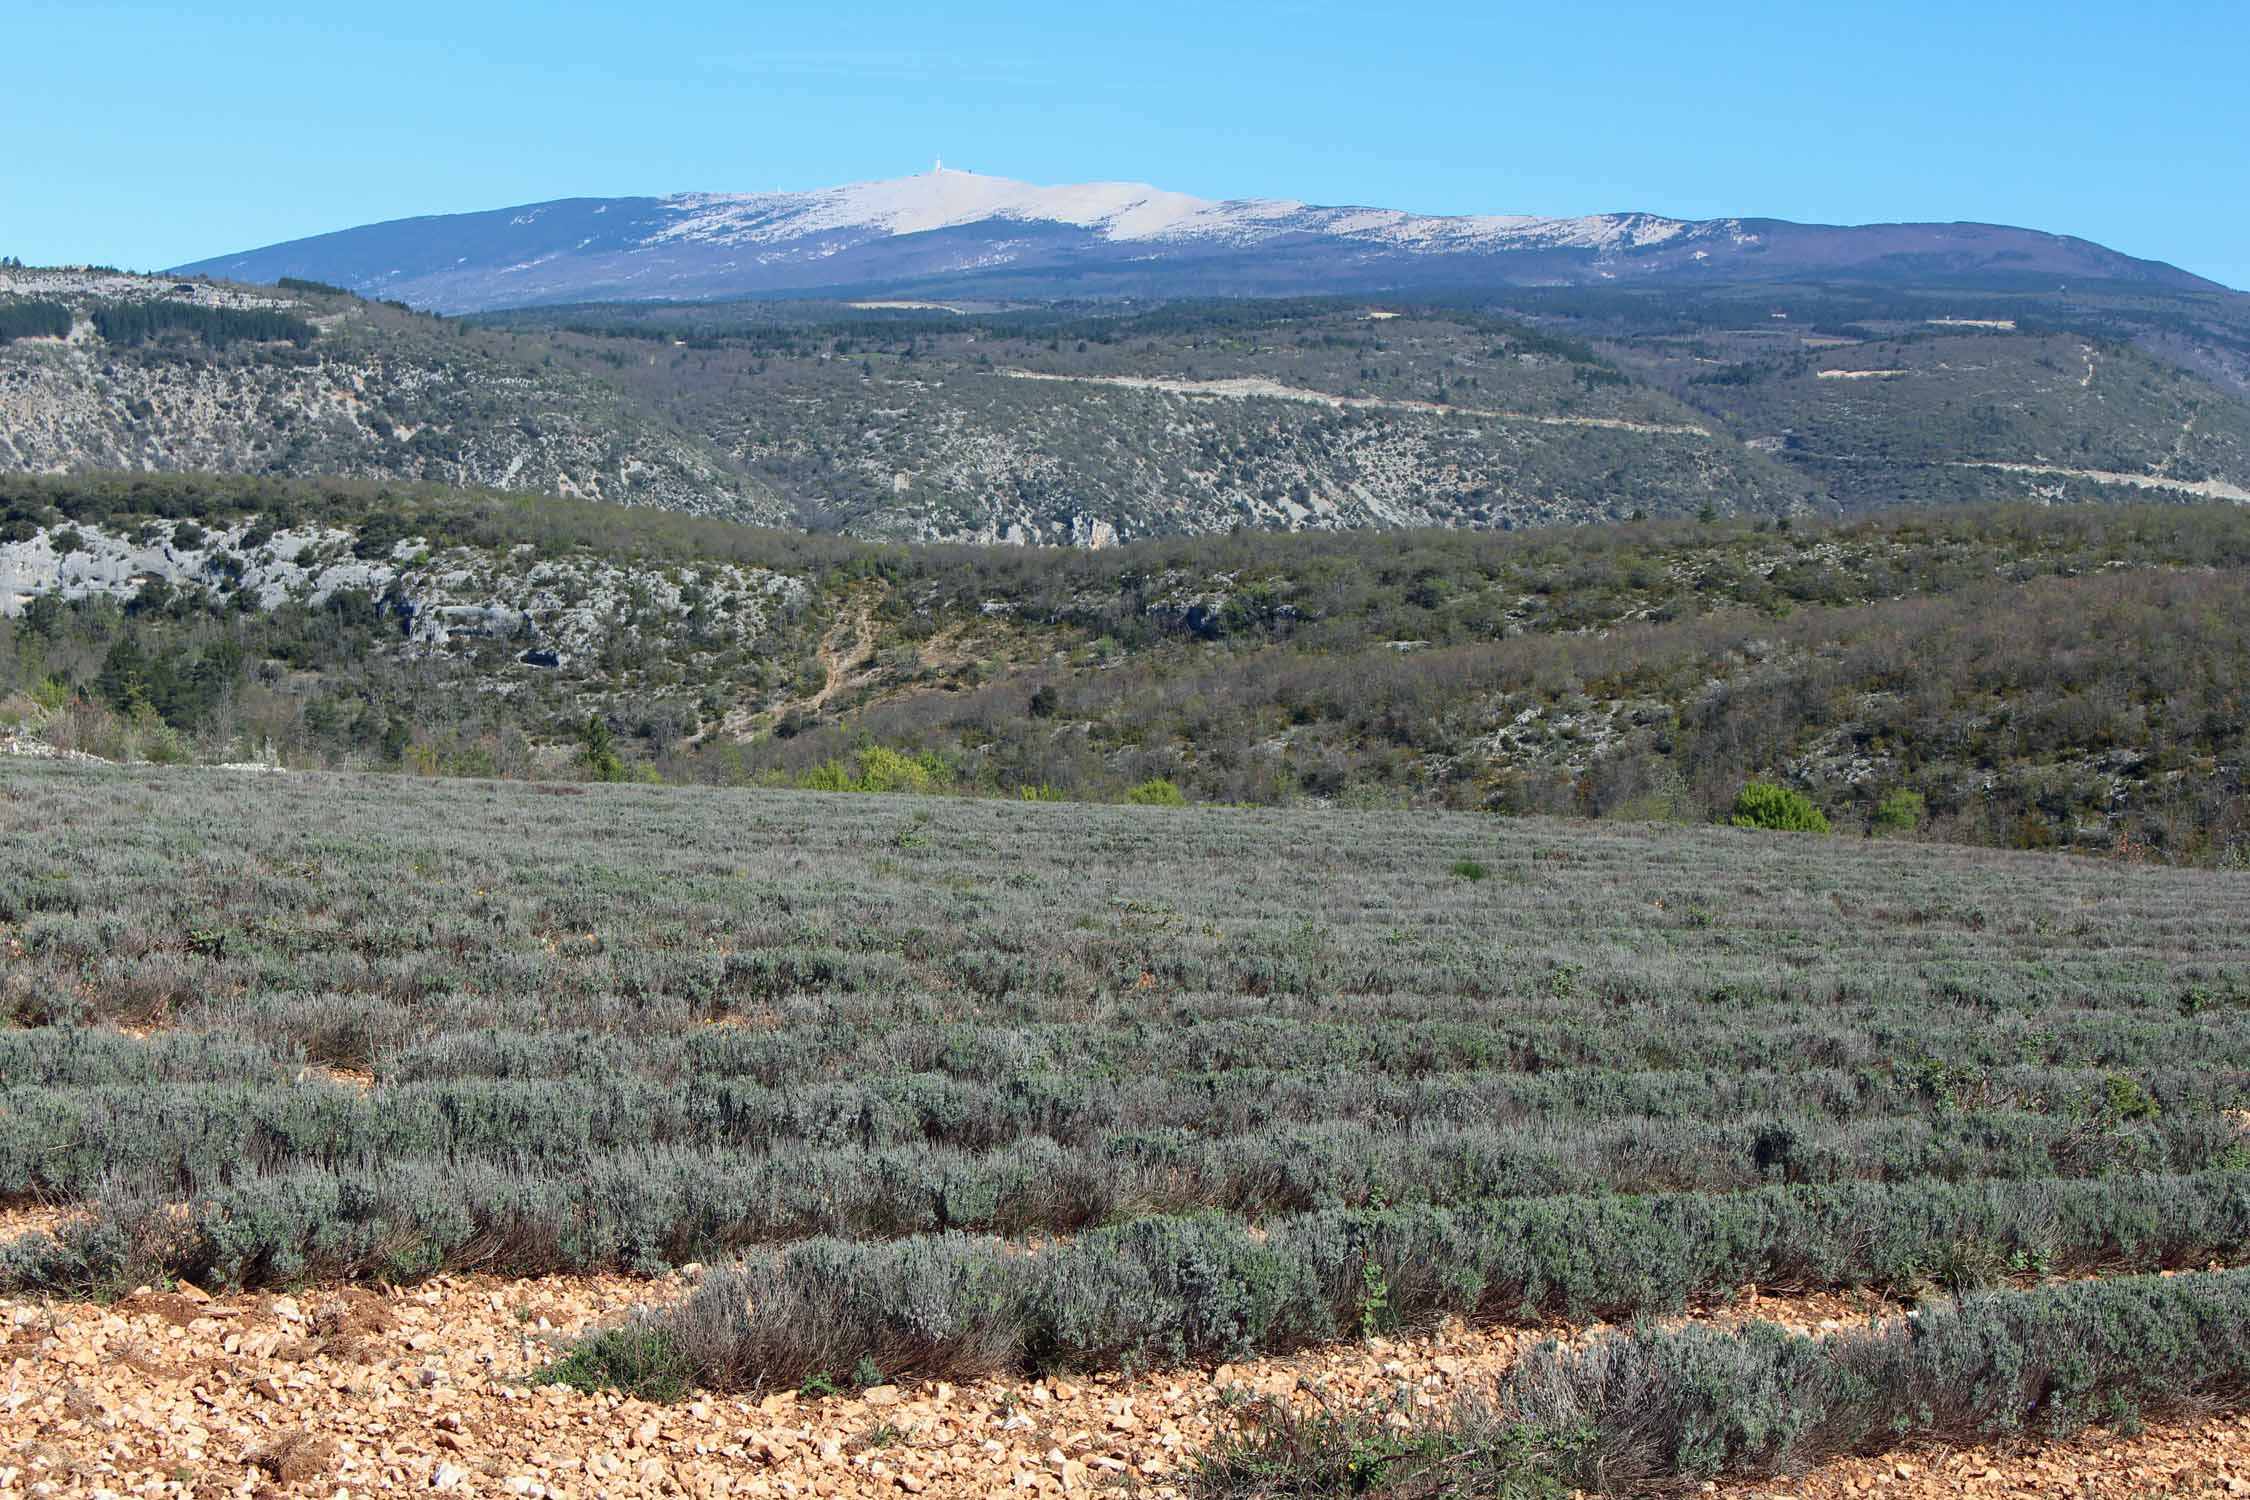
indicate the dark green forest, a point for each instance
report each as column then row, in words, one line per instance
column 133, row 324
column 33, row 320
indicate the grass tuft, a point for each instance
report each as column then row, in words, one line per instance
column 637, row 1360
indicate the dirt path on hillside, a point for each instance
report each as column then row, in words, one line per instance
column 2180, row 443
column 846, row 642
column 2209, row 489
column 1255, row 387
column 836, row 660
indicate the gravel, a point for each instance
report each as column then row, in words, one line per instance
column 346, row 1392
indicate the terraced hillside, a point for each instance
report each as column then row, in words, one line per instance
column 981, row 1090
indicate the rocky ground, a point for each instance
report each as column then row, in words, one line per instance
column 352, row 1392
column 550, row 612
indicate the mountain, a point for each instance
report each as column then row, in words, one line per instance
column 961, row 233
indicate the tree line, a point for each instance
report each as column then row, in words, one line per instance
column 132, row 324
column 33, row 320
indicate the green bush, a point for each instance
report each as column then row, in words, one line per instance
column 1900, row 811
column 1157, row 791
column 638, row 1361
column 1469, row 870
column 882, row 770
column 1761, row 804
column 877, row 769
column 597, row 751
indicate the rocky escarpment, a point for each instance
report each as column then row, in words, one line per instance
column 551, row 612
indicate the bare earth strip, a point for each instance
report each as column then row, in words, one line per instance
column 2209, row 489
column 422, row 1390
column 2165, row 1459
column 1258, row 388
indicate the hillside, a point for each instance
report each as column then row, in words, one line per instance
column 963, row 234
column 362, row 390
column 2031, row 675
column 1089, row 424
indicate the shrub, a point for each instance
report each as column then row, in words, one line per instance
column 1469, row 870
column 637, row 1360
column 877, row 769
column 1761, row 804
column 1157, row 791
column 1900, row 811
column 930, row 1308
column 882, row 770
column 597, row 751
column 828, row 776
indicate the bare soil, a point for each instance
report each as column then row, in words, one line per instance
column 174, row 1392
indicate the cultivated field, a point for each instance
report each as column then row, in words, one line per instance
column 982, row 1091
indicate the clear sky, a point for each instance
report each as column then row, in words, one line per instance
column 146, row 134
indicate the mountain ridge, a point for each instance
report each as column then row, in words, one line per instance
column 1114, row 238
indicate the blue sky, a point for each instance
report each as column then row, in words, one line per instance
column 146, row 135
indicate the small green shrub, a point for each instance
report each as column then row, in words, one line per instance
column 876, row 769
column 640, row 1361
column 1900, row 811
column 1157, row 791
column 597, row 751
column 828, row 776
column 1469, row 870
column 1320, row 1453
column 2124, row 1099
column 1374, row 1299
column 1761, row 804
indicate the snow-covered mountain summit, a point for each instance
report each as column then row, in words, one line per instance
column 1119, row 212
column 940, row 199
column 967, row 234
